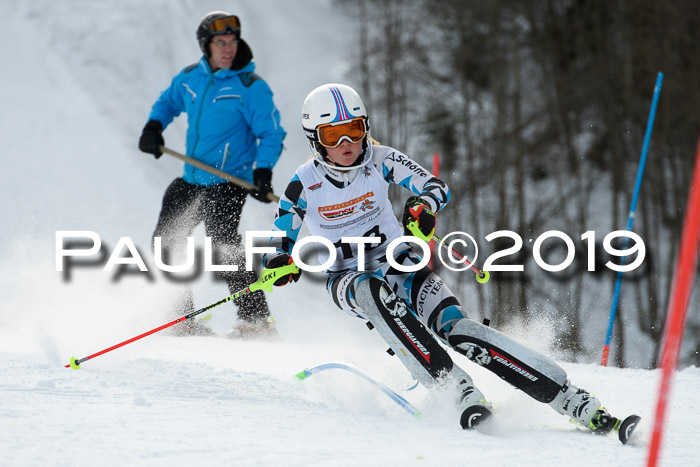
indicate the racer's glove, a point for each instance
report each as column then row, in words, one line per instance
column 283, row 260
column 418, row 220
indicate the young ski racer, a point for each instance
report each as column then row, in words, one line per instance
column 343, row 192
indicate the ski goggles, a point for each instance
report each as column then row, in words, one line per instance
column 331, row 135
column 221, row 25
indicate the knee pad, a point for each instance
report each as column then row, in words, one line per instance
column 342, row 289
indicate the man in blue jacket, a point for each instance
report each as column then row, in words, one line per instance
column 234, row 126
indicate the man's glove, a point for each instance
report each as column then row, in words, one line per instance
column 418, row 220
column 263, row 182
column 283, row 260
column 152, row 138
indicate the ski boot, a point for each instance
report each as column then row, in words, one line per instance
column 603, row 423
column 585, row 409
column 191, row 326
column 475, row 409
column 255, row 330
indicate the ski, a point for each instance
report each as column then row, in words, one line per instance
column 302, row 375
column 627, row 427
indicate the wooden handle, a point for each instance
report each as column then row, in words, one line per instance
column 214, row 171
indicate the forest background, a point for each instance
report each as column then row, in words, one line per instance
column 538, row 110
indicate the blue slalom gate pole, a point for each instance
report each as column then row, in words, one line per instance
column 630, row 218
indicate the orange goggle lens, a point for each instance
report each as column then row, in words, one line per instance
column 331, row 134
column 222, row 24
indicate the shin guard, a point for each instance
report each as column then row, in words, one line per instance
column 406, row 335
column 533, row 373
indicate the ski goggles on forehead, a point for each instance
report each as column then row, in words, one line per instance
column 230, row 23
column 331, row 135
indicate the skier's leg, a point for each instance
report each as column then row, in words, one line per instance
column 368, row 296
column 535, row 374
column 178, row 217
column 223, row 205
column 425, row 292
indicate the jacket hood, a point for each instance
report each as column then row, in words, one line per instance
column 243, row 56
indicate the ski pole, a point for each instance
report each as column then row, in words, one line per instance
column 214, row 171
column 482, row 277
column 265, row 282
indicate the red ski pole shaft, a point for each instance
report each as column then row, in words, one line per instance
column 267, row 279
column 75, row 363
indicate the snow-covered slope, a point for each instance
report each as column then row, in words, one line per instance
column 78, row 81
column 209, row 401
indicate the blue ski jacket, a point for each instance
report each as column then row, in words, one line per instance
column 234, row 125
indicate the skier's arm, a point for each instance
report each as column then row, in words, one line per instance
column 400, row 169
column 291, row 211
column 419, row 212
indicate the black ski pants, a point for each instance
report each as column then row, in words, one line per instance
column 219, row 206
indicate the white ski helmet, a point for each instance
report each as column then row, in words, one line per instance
column 331, row 105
